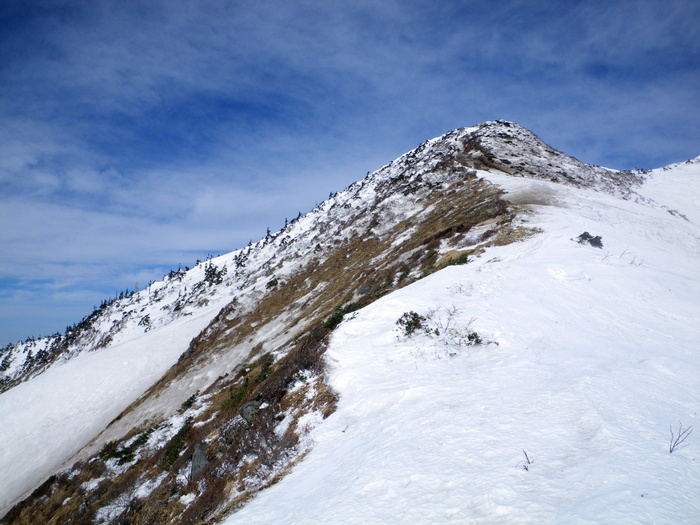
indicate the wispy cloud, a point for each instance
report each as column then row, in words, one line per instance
column 136, row 136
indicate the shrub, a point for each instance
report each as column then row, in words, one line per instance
column 462, row 259
column 586, row 237
column 187, row 403
column 337, row 317
column 109, row 450
column 411, row 322
column 473, row 338
column 234, row 398
column 441, row 323
column 264, row 372
column 176, row 443
column 124, row 455
column 127, row 454
column 43, row 489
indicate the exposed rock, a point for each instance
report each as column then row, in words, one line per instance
column 248, row 411
column 199, row 460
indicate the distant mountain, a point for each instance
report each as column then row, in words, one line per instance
column 450, row 339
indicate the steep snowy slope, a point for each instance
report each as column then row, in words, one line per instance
column 564, row 418
column 128, row 346
column 259, row 299
column 212, row 379
column 48, row 419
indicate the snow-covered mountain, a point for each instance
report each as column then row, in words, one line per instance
column 484, row 330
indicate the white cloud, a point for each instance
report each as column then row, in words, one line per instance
column 144, row 135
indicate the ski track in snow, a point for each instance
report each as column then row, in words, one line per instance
column 597, row 356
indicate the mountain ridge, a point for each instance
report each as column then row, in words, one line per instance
column 488, row 145
column 429, row 209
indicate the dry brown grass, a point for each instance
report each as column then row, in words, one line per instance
column 248, row 454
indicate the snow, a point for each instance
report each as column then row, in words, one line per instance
column 149, row 486
column 592, row 358
column 188, row 498
column 596, row 357
column 665, row 187
column 45, row 421
column 283, row 425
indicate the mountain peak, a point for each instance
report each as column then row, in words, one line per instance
column 507, row 147
column 224, row 365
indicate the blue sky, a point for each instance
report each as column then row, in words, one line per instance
column 137, row 136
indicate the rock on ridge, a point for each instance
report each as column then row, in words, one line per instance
column 510, row 148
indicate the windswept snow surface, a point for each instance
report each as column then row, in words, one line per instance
column 597, row 355
column 46, row 420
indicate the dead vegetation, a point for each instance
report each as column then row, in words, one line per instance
column 249, row 427
column 244, row 447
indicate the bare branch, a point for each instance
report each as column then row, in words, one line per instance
column 677, row 440
column 526, row 464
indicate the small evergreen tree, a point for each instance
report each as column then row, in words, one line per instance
column 213, row 275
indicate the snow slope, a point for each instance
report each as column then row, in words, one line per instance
column 591, row 353
column 597, row 355
column 48, row 419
